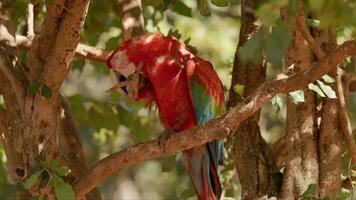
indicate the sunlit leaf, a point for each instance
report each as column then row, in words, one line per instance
column 297, row 96
column 328, row 78
column 239, row 89
column 316, row 89
column 327, row 90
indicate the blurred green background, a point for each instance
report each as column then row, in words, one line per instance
column 110, row 122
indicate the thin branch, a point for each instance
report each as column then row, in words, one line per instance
column 214, row 129
column 300, row 21
column 345, row 124
column 82, row 51
column 30, row 21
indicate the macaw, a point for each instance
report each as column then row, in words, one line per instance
column 186, row 90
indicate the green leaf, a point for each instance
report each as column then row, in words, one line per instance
column 316, row 89
column 168, row 163
column 32, row 180
column 310, row 192
column 268, row 14
column 252, row 49
column 46, row 91
column 328, row 79
column 327, row 90
column 61, row 171
column 182, row 9
column 316, row 4
column 204, row 8
column 63, row 190
column 277, row 102
column 313, row 23
column 187, row 193
column 239, row 89
column 34, row 87
column 343, row 194
column 221, row 3
column 297, row 96
column 276, row 43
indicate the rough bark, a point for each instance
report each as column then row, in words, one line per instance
column 301, row 165
column 256, row 169
column 36, row 125
column 329, row 141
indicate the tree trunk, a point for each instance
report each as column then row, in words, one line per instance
column 257, row 172
column 301, row 165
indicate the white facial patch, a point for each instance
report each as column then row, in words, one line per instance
column 121, row 64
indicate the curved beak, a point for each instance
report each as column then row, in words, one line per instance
column 129, row 86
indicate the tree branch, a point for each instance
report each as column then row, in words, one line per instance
column 214, row 129
column 57, row 65
column 82, row 51
column 30, row 20
column 345, row 124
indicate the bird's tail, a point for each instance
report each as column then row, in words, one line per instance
column 202, row 163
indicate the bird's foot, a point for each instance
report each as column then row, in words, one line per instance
column 163, row 137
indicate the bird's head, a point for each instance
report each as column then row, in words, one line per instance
column 127, row 75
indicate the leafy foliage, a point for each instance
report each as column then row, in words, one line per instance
column 51, row 174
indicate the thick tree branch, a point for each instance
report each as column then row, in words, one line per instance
column 44, row 40
column 57, row 66
column 82, row 51
column 214, row 129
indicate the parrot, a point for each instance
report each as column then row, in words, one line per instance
column 187, row 91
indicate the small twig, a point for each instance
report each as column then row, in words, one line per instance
column 30, row 21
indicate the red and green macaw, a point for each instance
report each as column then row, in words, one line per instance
column 187, row 92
